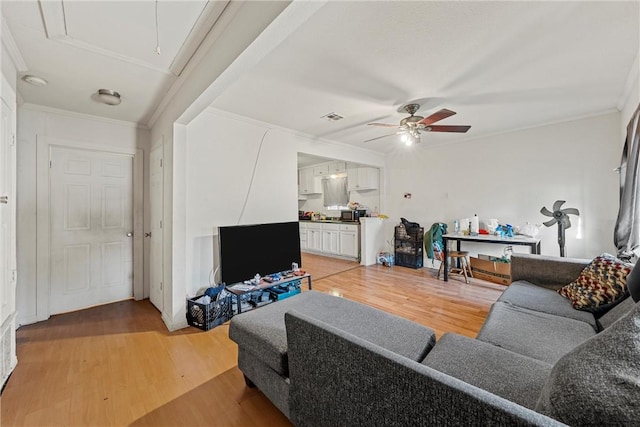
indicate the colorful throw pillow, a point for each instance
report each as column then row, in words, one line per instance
column 601, row 283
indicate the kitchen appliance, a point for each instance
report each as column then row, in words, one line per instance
column 353, row 215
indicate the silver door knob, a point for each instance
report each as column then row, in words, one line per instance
column 4, row 199
column 129, row 234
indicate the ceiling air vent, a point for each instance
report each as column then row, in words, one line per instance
column 332, row 117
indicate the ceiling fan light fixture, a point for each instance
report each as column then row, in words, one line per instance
column 109, row 97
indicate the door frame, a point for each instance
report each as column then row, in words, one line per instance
column 158, row 146
column 43, row 234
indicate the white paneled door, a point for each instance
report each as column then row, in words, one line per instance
column 91, row 228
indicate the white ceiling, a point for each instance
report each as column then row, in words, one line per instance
column 82, row 46
column 500, row 65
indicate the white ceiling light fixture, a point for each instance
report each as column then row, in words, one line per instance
column 109, row 97
column 35, row 80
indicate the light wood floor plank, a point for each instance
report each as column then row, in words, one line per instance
column 117, row 365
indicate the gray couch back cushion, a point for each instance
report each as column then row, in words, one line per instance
column 617, row 312
column 599, row 381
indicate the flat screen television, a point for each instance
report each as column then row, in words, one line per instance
column 247, row 250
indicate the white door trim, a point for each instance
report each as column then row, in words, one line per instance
column 43, row 148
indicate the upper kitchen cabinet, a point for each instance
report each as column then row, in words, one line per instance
column 337, row 167
column 308, row 183
column 363, row 178
column 321, row 170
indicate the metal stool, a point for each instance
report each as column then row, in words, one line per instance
column 465, row 267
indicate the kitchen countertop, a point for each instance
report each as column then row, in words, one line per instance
column 331, row 221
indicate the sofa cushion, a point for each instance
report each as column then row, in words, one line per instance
column 599, row 285
column 526, row 295
column 599, row 381
column 538, row 335
column 502, row 372
column 616, row 313
column 262, row 331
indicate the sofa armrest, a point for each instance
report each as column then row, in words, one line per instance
column 339, row 379
column 547, row 271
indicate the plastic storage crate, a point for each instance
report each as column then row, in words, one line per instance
column 208, row 316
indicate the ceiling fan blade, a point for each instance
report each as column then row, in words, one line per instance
column 545, row 211
column 570, row 211
column 550, row 222
column 384, row 125
column 558, row 204
column 380, row 137
column 447, row 128
column 437, row 116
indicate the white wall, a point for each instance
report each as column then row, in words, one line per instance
column 37, row 122
column 221, row 153
column 631, row 97
column 511, row 176
column 197, row 87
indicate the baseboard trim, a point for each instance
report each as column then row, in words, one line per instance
column 171, row 326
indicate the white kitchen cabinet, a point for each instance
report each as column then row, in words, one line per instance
column 314, row 237
column 337, row 167
column 333, row 239
column 321, row 170
column 349, row 241
column 330, row 238
column 303, row 235
column 360, row 179
column 308, row 183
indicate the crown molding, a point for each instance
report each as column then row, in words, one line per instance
column 12, row 48
column 199, row 32
column 84, row 116
column 226, row 16
column 275, row 32
column 575, row 118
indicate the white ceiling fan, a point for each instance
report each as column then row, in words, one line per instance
column 411, row 127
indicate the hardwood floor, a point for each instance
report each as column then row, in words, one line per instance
column 118, row 365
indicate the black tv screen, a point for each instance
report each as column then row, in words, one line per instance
column 247, row 250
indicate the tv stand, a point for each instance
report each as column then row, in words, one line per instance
column 239, row 291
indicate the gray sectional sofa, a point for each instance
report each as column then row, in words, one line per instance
column 327, row 361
